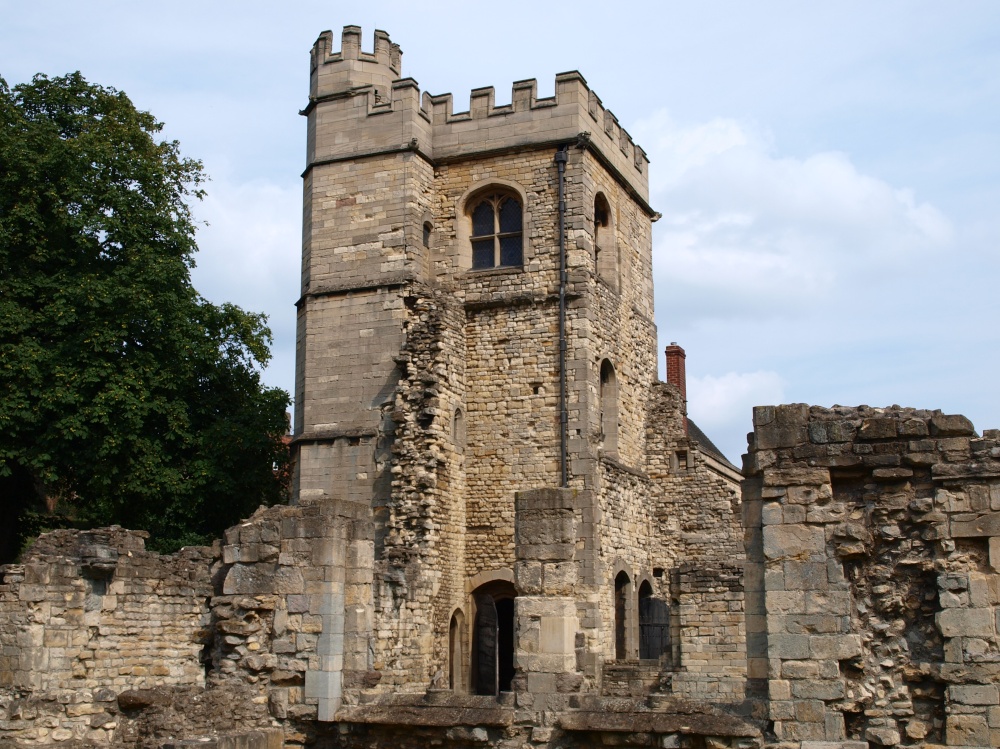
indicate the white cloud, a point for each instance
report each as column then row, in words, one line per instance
column 717, row 396
column 746, row 231
column 722, row 405
column 249, row 254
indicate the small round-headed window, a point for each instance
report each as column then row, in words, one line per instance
column 497, row 231
column 428, row 232
column 605, row 246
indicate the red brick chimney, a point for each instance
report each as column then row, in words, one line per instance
column 675, row 368
column 677, row 375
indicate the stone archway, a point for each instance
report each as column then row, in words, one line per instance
column 493, row 638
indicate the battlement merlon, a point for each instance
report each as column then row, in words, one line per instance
column 359, row 106
column 339, row 72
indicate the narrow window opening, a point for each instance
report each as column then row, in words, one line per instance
column 609, row 408
column 458, row 430
column 621, row 608
column 427, row 234
column 456, row 673
column 605, row 246
column 96, row 581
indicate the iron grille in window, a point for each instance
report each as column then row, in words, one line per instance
column 497, row 232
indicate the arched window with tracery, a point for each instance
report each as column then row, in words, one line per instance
column 497, row 231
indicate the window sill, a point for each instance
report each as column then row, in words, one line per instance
column 497, row 270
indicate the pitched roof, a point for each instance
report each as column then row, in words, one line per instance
column 695, row 433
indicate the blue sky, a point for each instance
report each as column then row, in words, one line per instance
column 829, row 174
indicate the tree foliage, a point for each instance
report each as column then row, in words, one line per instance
column 125, row 397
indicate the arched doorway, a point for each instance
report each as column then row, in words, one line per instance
column 493, row 638
column 654, row 624
column 621, row 610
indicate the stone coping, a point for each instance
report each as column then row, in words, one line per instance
column 444, row 709
column 670, row 715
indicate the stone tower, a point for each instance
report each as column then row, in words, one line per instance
column 505, row 531
column 476, row 377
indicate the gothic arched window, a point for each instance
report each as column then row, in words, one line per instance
column 497, row 231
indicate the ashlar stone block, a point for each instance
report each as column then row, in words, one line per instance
column 966, row 622
column 793, row 541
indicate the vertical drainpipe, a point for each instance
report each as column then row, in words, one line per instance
column 562, row 155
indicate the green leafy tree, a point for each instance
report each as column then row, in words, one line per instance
column 125, row 397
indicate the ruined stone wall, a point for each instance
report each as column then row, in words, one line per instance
column 87, row 615
column 873, row 584
column 289, row 640
column 294, row 613
column 422, row 548
column 711, row 633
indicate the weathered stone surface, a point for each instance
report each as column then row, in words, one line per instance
column 903, row 639
column 793, row 541
column 138, row 699
column 951, row 426
column 962, row 622
column 878, row 428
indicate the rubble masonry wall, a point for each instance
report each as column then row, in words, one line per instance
column 873, row 541
column 87, row 615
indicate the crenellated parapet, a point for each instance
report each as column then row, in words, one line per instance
column 386, row 53
column 356, row 84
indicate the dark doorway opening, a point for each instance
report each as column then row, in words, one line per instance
column 505, row 643
column 493, row 639
column 654, row 624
